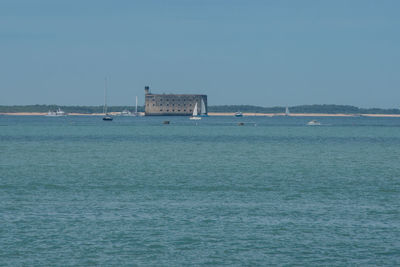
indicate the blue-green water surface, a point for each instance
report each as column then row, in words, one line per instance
column 77, row 191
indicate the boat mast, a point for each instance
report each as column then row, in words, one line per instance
column 136, row 106
column 105, row 96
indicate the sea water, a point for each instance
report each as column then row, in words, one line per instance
column 78, row 191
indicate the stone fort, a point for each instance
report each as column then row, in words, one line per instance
column 172, row 104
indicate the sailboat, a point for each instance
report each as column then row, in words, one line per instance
column 203, row 112
column 126, row 112
column 287, row 113
column 60, row 112
column 238, row 114
column 136, row 114
column 195, row 115
column 106, row 116
column 57, row 113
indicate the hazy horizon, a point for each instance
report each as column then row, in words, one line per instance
column 261, row 53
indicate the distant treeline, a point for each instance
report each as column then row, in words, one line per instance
column 328, row 109
column 68, row 109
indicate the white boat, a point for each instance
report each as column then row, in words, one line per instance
column 195, row 115
column 238, row 114
column 51, row 114
column 57, row 113
column 313, row 122
column 136, row 113
column 287, row 113
column 126, row 112
column 106, row 116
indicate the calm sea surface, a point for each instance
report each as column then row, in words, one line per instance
column 80, row 191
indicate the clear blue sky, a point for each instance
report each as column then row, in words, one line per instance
column 263, row 53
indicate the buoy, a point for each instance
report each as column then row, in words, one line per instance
column 165, row 122
column 240, row 123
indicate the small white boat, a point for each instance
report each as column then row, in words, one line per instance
column 238, row 114
column 313, row 122
column 57, row 113
column 51, row 114
column 195, row 114
column 126, row 112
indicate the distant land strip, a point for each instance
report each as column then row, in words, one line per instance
column 212, row 110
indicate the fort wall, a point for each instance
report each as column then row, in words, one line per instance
column 172, row 104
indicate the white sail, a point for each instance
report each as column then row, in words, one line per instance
column 287, row 113
column 195, row 110
column 195, row 116
column 202, row 108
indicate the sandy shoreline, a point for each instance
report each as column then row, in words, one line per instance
column 225, row 114
column 45, row 113
column 306, row 115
